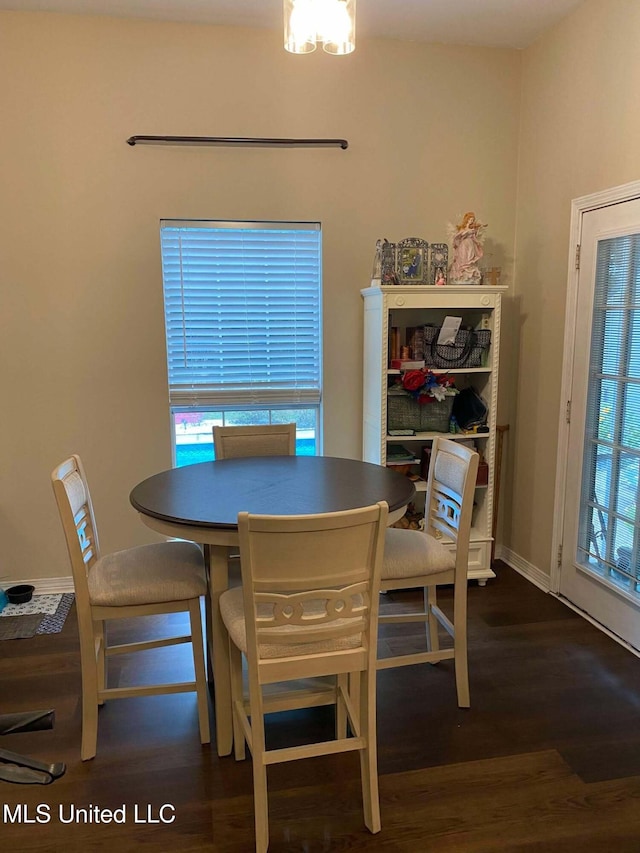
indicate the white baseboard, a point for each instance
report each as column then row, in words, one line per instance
column 44, row 586
column 528, row 570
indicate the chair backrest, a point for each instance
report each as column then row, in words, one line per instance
column 312, row 579
column 264, row 440
column 78, row 522
column 450, row 491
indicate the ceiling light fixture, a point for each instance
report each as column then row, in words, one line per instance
column 330, row 22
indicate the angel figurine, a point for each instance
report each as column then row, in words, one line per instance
column 376, row 274
column 468, row 238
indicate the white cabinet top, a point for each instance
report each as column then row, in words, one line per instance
column 447, row 296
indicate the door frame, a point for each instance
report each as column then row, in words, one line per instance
column 579, row 206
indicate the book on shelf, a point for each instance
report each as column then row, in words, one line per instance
column 415, row 341
column 404, row 364
column 394, row 343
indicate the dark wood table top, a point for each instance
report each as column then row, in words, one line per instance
column 211, row 494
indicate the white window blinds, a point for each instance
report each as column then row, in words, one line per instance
column 609, row 537
column 242, row 312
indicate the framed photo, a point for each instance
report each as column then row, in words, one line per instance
column 439, row 263
column 412, row 261
column 388, row 263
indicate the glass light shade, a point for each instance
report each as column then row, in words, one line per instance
column 300, row 26
column 332, row 22
column 339, row 32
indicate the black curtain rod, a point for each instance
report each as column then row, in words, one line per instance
column 246, row 142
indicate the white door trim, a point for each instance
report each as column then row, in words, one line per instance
column 579, row 206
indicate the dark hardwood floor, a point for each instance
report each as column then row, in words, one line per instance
column 546, row 759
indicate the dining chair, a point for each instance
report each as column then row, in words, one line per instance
column 416, row 558
column 230, row 442
column 165, row 577
column 307, row 608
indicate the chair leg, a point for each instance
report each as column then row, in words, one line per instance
column 202, row 692
column 342, row 683
column 369, row 754
column 89, row 667
column 207, row 615
column 237, row 696
column 460, row 644
column 354, row 695
column 260, row 804
column 219, row 648
column 101, row 634
column 430, row 600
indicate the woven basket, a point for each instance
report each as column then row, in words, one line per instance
column 405, row 412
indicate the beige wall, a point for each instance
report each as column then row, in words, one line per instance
column 580, row 133
column 432, row 133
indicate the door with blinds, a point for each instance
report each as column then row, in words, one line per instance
column 600, row 562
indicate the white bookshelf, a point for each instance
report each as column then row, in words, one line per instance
column 407, row 306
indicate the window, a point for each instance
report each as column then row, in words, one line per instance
column 242, row 318
column 609, row 535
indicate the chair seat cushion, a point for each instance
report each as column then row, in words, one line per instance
column 148, row 574
column 412, row 553
column 232, row 611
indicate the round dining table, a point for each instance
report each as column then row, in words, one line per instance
column 201, row 503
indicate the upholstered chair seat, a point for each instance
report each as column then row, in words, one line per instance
column 412, row 553
column 164, row 571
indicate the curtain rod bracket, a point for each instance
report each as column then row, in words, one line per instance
column 238, row 141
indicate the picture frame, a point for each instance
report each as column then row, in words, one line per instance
column 438, row 263
column 388, row 263
column 412, row 261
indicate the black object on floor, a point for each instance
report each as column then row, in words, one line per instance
column 20, row 594
column 20, row 769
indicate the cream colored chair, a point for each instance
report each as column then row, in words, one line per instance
column 265, row 440
column 231, row 442
column 307, row 608
column 413, row 558
column 167, row 577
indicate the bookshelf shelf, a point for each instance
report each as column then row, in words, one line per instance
column 429, row 436
column 391, row 371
